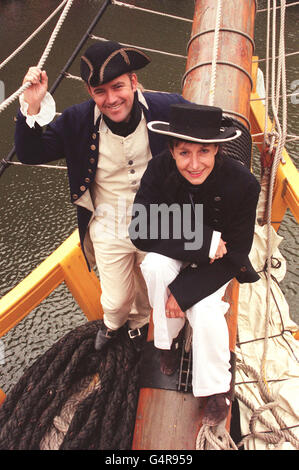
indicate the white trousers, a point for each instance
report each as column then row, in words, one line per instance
column 210, row 343
column 124, row 294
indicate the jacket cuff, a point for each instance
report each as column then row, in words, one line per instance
column 46, row 114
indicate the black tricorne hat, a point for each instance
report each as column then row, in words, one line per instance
column 104, row 61
column 196, row 123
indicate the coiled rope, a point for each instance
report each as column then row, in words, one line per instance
column 43, row 58
column 104, row 419
column 210, row 439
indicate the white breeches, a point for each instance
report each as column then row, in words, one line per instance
column 210, row 343
column 124, row 294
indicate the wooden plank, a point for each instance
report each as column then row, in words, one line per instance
column 167, row 420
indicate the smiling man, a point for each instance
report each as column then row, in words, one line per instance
column 107, row 145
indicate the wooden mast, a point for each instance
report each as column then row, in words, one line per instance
column 233, row 68
column 168, row 419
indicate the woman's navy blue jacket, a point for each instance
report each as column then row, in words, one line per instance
column 229, row 198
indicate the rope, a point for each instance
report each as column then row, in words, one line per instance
column 8, row 59
column 290, row 54
column 273, row 435
column 281, row 79
column 43, row 58
column 215, row 54
column 133, row 7
column 55, row 167
column 101, row 417
column 208, row 437
column 142, row 48
column 269, row 9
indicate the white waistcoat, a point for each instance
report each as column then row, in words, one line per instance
column 122, row 162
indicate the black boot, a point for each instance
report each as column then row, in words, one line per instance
column 104, row 335
column 170, row 358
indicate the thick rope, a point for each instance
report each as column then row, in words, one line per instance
column 43, row 58
column 8, row 59
column 104, row 418
column 209, row 438
column 273, row 434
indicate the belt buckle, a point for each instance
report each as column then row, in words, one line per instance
column 109, row 334
column 134, row 333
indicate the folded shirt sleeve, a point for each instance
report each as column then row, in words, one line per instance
column 46, row 114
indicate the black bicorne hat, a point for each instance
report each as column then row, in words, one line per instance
column 196, row 123
column 104, row 61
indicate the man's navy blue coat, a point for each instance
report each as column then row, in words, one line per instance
column 74, row 136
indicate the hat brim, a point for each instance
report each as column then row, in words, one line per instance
column 229, row 133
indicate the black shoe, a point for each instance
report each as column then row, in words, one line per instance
column 170, row 358
column 104, row 335
column 138, row 337
column 216, row 409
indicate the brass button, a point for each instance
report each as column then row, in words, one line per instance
column 87, row 180
column 93, row 147
column 82, row 188
column 92, row 160
column 217, row 198
column 94, row 136
column 75, row 196
column 243, row 269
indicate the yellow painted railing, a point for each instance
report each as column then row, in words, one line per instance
column 66, row 264
column 286, row 190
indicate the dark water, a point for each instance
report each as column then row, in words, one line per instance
column 35, row 212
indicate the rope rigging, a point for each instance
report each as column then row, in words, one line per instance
column 9, row 58
column 43, row 58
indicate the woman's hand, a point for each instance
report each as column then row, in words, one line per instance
column 220, row 252
column 172, row 308
column 36, row 92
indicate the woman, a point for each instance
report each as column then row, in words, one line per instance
column 209, row 201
